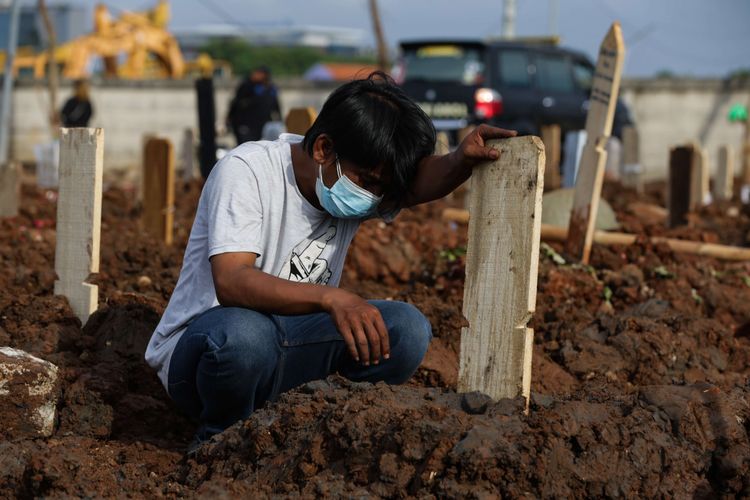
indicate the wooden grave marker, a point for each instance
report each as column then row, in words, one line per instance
column 10, row 189
column 501, row 270
column 187, row 154
column 551, row 138
column 442, row 144
column 724, row 179
column 745, row 156
column 158, row 188
column 299, row 120
column 602, row 102
column 680, row 177
column 699, row 179
column 574, row 142
column 631, row 159
column 79, row 214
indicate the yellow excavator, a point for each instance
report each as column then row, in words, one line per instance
column 136, row 45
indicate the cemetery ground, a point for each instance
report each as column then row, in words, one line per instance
column 639, row 379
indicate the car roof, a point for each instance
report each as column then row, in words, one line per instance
column 541, row 45
column 442, row 41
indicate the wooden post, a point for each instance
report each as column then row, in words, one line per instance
column 187, row 155
column 724, row 180
column 574, row 142
column 10, row 189
column 604, row 91
column 699, row 178
column 631, row 160
column 551, row 140
column 501, row 270
column 299, row 120
column 680, row 168
column 206, row 124
column 745, row 155
column 79, row 214
column 442, row 144
column 158, row 188
column 377, row 28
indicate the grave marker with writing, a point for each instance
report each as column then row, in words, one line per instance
column 602, row 102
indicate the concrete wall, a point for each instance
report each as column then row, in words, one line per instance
column 130, row 110
column 677, row 111
column 668, row 112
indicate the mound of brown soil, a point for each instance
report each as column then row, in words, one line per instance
column 641, row 363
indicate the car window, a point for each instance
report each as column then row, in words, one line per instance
column 583, row 75
column 553, row 74
column 451, row 63
column 515, row 70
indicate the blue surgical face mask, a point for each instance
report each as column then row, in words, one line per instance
column 345, row 199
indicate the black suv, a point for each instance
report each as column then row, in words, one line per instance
column 515, row 85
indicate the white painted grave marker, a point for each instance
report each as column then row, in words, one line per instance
column 79, row 213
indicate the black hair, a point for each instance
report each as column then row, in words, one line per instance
column 373, row 122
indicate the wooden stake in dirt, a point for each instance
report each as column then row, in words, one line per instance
column 680, row 168
column 79, row 214
column 745, row 155
column 724, row 180
column 299, row 120
column 501, row 270
column 603, row 99
column 631, row 162
column 442, row 144
column 158, row 188
column 551, row 140
column 187, row 154
column 699, row 178
column 10, row 189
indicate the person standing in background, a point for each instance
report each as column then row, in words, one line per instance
column 77, row 110
column 255, row 103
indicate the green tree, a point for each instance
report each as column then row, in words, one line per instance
column 283, row 61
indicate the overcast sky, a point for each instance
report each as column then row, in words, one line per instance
column 691, row 37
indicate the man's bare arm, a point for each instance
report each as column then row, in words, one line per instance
column 439, row 175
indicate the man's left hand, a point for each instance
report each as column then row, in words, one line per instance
column 474, row 149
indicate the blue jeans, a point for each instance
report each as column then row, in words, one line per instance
column 231, row 360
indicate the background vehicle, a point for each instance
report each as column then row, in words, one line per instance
column 514, row 85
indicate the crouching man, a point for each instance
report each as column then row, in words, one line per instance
column 256, row 310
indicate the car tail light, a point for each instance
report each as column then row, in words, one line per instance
column 487, row 103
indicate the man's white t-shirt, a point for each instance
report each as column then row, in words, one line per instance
column 251, row 203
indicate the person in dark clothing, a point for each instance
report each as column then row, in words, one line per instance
column 255, row 103
column 77, row 110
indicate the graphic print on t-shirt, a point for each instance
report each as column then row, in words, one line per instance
column 305, row 265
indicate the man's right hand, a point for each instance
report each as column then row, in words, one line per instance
column 360, row 324
column 239, row 284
